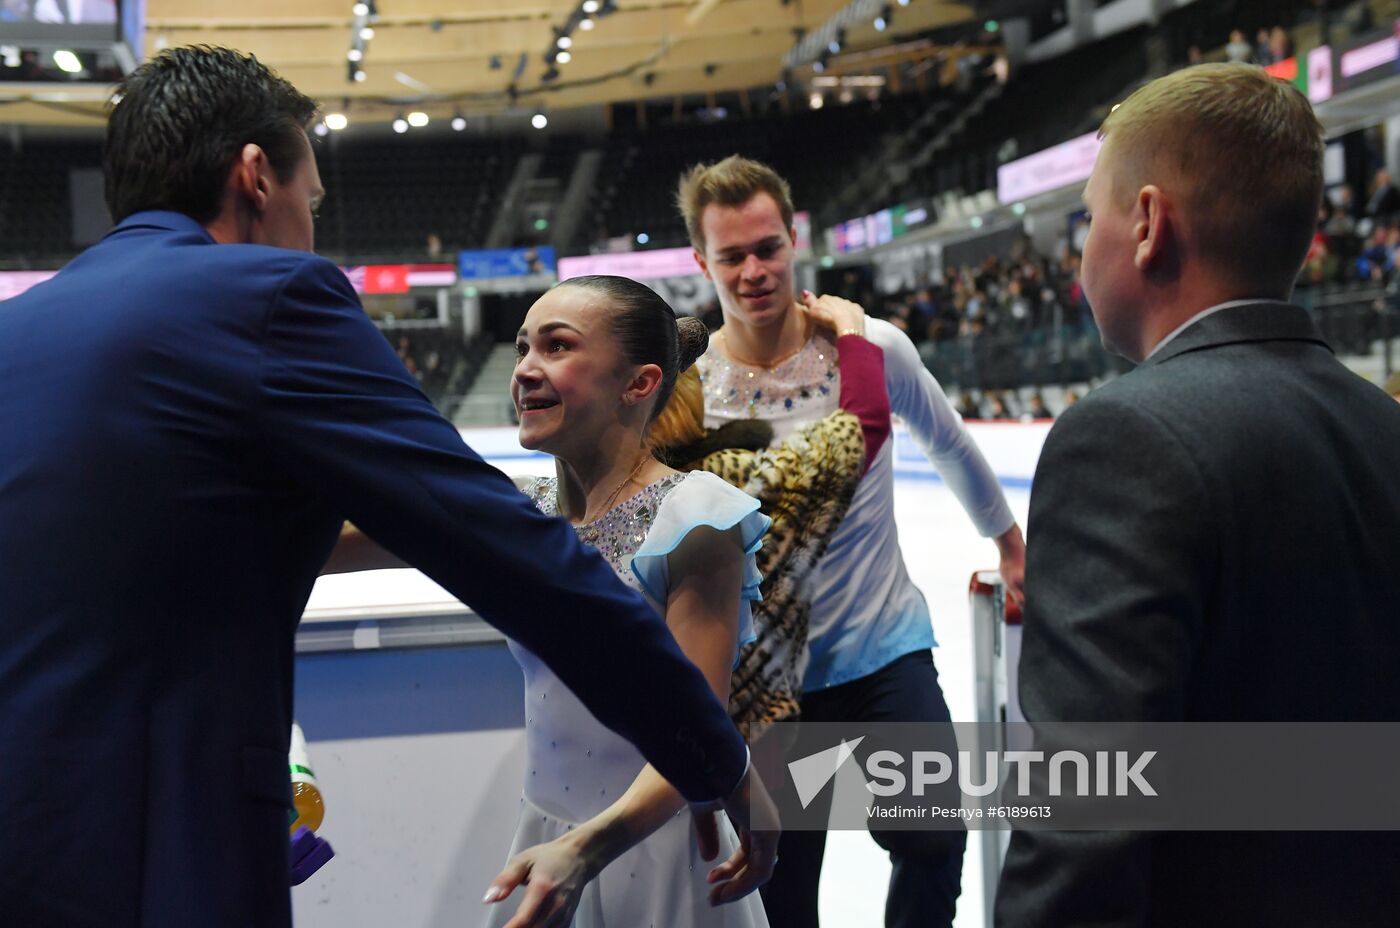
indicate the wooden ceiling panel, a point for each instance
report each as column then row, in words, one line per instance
column 445, row 47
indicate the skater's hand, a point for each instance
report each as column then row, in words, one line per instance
column 756, row 819
column 841, row 317
column 554, row 875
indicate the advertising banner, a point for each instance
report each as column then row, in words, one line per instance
column 638, row 265
column 505, row 262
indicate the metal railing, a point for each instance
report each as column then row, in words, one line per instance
column 1359, row 320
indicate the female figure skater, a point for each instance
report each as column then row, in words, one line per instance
column 599, row 831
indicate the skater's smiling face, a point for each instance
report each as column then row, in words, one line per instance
column 572, row 383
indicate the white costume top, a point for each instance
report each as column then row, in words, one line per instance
column 866, row 612
column 576, row 767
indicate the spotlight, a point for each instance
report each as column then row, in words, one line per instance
column 417, row 119
column 539, row 120
column 903, row 2
column 880, row 24
column 67, row 61
column 354, row 54
column 321, row 130
column 360, row 76
column 585, row 24
column 564, row 58
column 815, row 101
column 400, row 124
column 643, row 238
column 819, row 66
column 459, row 122
column 336, row 121
column 360, row 9
column 565, row 42
column 834, row 47
column 367, row 33
column 590, row 6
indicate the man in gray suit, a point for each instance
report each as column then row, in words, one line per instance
column 1214, row 536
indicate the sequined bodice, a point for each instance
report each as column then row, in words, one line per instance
column 576, row 766
column 618, row 532
column 802, row 388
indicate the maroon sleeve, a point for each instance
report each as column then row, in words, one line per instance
column 863, row 391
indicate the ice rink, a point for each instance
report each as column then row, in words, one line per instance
column 420, row 751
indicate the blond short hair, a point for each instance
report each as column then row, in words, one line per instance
column 682, row 420
column 1241, row 150
column 731, row 182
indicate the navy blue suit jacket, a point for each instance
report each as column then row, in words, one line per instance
column 183, row 426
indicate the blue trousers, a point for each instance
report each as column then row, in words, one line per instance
column 927, row 865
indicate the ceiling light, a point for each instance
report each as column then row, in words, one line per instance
column 320, row 129
column 67, row 61
column 360, row 9
column 400, row 125
column 815, row 101
column 590, row 6
column 367, row 33
column 880, row 24
column 539, row 120
column 417, row 119
column 585, row 24
column 565, row 42
column 354, row 54
column 459, row 122
column 359, row 75
column 564, row 58
column 643, row 238
column 336, row 121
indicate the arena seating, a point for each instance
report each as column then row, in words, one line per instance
column 385, row 196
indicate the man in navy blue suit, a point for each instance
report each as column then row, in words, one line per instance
column 191, row 408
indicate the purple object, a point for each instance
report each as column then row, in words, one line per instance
column 309, row 853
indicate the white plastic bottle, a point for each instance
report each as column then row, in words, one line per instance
column 310, row 808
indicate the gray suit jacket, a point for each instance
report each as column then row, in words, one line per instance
column 1215, row 536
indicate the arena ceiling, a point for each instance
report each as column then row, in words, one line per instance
column 445, row 56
